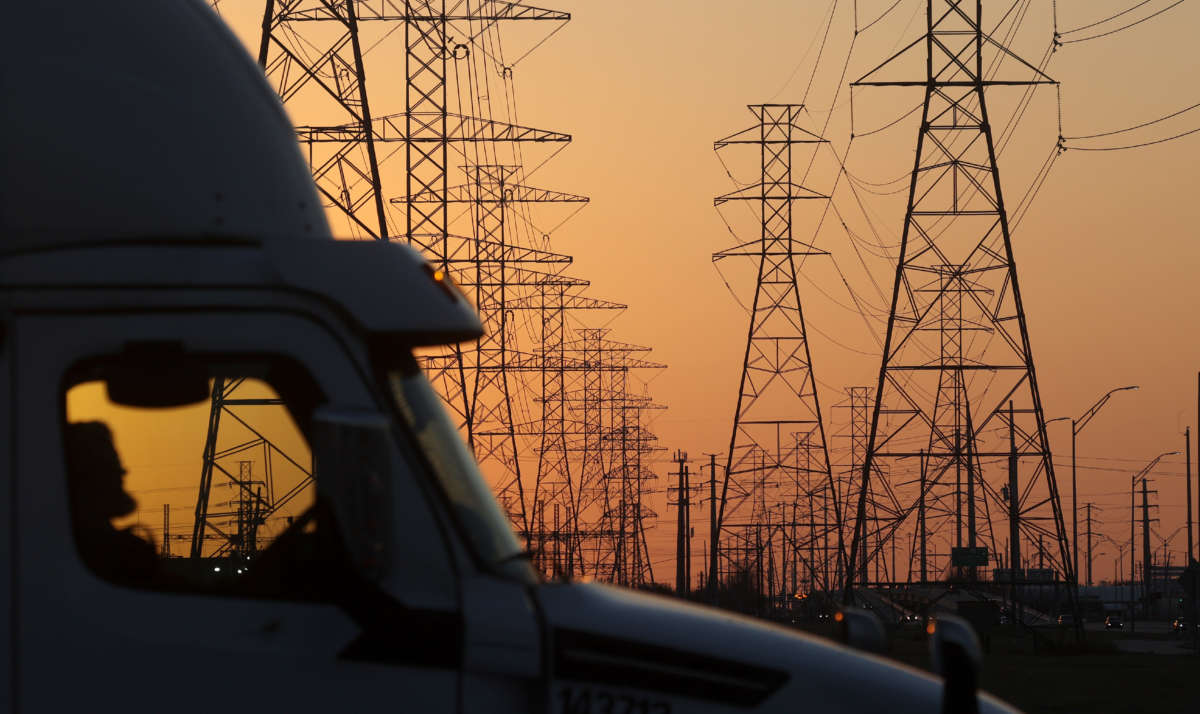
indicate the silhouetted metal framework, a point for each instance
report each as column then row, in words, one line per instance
column 777, row 394
column 858, row 403
column 233, row 525
column 607, row 533
column 498, row 280
column 555, row 487
column 957, row 347
column 312, row 52
column 429, row 129
column 329, row 64
column 313, row 45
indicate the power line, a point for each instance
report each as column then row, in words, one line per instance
column 1177, row 3
column 885, row 13
column 1136, row 126
column 1111, row 17
column 1133, row 146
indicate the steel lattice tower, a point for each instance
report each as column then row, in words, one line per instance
column 328, row 62
column 498, row 281
column 232, row 525
column 957, row 351
column 313, row 52
column 313, row 47
column 777, row 394
column 609, row 519
column 310, row 52
column 425, row 130
column 556, row 483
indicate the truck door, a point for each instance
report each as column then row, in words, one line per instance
column 131, row 605
column 6, row 517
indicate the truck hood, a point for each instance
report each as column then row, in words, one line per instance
column 719, row 661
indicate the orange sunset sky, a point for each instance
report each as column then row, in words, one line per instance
column 1106, row 252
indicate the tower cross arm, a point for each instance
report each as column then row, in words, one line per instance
column 769, row 192
column 867, row 80
column 753, row 135
column 569, row 302
column 755, row 249
column 426, row 127
column 390, row 10
column 470, row 193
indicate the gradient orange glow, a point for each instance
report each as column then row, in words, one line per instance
column 1107, row 254
column 162, row 449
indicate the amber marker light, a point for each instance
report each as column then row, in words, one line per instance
column 839, row 616
column 931, row 628
column 445, row 282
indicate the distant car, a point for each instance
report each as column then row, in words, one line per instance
column 1179, row 626
column 824, row 617
column 1113, row 622
column 1066, row 619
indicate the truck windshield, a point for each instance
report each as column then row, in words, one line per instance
column 486, row 527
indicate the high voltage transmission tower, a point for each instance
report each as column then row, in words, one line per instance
column 314, row 53
column 552, row 539
column 497, row 277
column 778, row 413
column 478, row 382
column 229, row 527
column 957, row 419
column 608, row 516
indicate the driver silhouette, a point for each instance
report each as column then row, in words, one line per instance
column 95, row 480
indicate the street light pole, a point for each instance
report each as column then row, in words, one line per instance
column 1077, row 426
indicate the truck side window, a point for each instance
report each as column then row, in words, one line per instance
column 215, row 497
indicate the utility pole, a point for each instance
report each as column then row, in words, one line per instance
column 1132, row 547
column 681, row 521
column 970, row 494
column 758, row 568
column 687, row 529
column 166, row 544
column 793, row 553
column 1089, row 545
column 1074, row 503
column 812, row 547
column 1194, row 611
column 1146, row 556
column 921, row 524
column 1014, row 516
column 1187, row 459
column 1143, row 474
column 713, row 531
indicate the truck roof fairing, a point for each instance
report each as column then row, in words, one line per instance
column 171, row 131
column 386, row 288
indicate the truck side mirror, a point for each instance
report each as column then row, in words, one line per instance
column 352, row 461
column 861, row 629
column 958, row 658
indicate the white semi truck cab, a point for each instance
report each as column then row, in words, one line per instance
column 160, row 237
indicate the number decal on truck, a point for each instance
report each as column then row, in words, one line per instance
column 584, row 700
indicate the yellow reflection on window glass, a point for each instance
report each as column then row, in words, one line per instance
column 261, row 474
